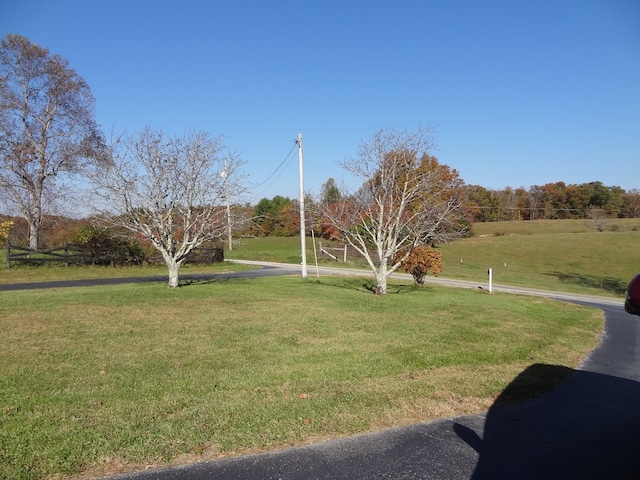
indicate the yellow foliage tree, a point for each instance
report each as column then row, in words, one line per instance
column 5, row 227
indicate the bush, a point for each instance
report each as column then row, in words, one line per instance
column 102, row 246
column 420, row 261
column 5, row 227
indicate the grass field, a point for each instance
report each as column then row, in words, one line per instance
column 52, row 272
column 561, row 255
column 593, row 263
column 95, row 381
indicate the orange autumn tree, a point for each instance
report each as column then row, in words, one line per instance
column 407, row 199
column 421, row 260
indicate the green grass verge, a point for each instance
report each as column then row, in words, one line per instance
column 21, row 273
column 96, row 381
column 560, row 255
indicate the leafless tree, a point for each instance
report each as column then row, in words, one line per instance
column 407, row 199
column 172, row 192
column 597, row 217
column 47, row 128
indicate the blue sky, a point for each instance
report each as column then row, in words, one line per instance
column 520, row 92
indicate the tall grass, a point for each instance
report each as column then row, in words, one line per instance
column 113, row 379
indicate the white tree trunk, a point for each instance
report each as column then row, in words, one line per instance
column 174, row 272
column 382, row 274
column 34, row 231
column 170, row 191
column 406, row 199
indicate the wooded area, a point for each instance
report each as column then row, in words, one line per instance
column 280, row 216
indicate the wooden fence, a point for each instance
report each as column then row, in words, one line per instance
column 337, row 255
column 73, row 254
column 69, row 254
column 206, row 255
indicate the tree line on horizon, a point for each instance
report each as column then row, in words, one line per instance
column 280, row 215
column 551, row 201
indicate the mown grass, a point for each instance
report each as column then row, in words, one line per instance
column 537, row 227
column 271, row 249
column 22, row 273
column 600, row 263
column 560, row 255
column 103, row 380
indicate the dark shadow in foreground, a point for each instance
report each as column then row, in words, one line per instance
column 589, row 428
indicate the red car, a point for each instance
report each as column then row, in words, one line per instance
column 632, row 300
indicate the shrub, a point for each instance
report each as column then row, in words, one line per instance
column 420, row 261
column 103, row 247
column 5, row 227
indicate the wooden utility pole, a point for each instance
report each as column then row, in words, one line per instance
column 302, row 227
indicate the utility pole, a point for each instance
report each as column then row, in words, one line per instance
column 302, row 227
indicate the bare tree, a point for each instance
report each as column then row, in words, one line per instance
column 407, row 199
column 47, row 128
column 171, row 191
column 597, row 217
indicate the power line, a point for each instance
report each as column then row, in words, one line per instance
column 279, row 170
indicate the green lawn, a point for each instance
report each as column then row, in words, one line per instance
column 103, row 380
column 21, row 273
column 560, row 255
column 597, row 263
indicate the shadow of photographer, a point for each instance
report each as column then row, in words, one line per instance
column 588, row 428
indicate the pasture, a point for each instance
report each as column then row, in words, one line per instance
column 560, row 255
column 96, row 381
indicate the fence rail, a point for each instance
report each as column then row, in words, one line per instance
column 68, row 254
column 74, row 254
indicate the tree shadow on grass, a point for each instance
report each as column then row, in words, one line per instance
column 591, row 281
column 365, row 285
column 351, row 283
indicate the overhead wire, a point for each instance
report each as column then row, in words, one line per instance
column 279, row 170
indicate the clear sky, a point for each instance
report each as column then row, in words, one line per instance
column 520, row 92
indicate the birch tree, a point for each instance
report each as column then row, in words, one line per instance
column 47, row 128
column 406, row 199
column 169, row 191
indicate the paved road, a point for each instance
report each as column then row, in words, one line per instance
column 587, row 429
column 264, row 271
